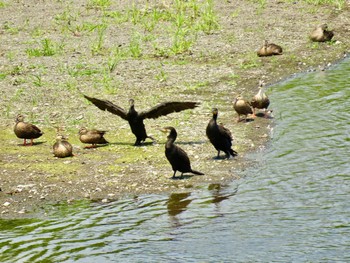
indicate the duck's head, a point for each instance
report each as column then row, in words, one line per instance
column 19, row 118
column 82, row 131
column 261, row 84
column 60, row 137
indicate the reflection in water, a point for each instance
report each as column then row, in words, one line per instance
column 176, row 204
column 218, row 194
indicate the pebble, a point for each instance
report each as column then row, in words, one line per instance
column 6, row 204
column 22, row 211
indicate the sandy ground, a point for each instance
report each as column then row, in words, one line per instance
column 119, row 52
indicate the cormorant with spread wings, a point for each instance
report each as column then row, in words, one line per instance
column 135, row 118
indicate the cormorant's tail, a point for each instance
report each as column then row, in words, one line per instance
column 233, row 152
column 196, row 172
column 102, row 141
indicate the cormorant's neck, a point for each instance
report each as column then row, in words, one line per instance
column 171, row 137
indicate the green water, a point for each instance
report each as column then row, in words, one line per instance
column 293, row 206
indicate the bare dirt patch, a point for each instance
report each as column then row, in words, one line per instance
column 50, row 49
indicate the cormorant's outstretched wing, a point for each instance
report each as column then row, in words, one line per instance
column 167, row 107
column 107, row 105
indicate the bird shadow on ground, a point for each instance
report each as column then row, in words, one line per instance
column 190, row 142
column 247, row 120
column 28, row 144
column 185, row 176
column 132, row 144
column 96, row 146
column 222, row 157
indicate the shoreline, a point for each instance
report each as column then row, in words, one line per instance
column 220, row 66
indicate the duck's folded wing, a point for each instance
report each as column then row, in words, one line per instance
column 107, row 105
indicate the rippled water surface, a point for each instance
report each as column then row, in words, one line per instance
column 292, row 207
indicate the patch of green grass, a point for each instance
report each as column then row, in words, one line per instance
column 3, row 75
column 197, row 86
column 110, row 86
column 37, row 32
column 338, row 3
column 118, row 17
column 182, row 41
column 37, row 80
column 99, row 4
column 10, row 28
column 97, row 47
column 47, row 48
column 161, row 76
column 135, row 45
column 231, row 79
column 208, row 19
column 81, row 69
column 251, row 60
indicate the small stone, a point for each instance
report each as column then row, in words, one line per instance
column 22, row 211
column 6, row 204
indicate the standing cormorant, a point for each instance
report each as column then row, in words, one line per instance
column 219, row 136
column 177, row 157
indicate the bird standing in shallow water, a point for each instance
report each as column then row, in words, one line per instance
column 219, row 136
column 92, row 136
column 135, row 118
column 24, row 130
column 177, row 157
column 242, row 107
column 260, row 100
column 62, row 148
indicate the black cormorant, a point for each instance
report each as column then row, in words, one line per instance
column 219, row 136
column 177, row 157
column 135, row 118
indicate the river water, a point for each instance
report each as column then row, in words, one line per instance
column 293, row 206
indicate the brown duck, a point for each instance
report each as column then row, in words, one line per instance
column 62, row 148
column 242, row 107
column 26, row 131
column 321, row 34
column 260, row 100
column 93, row 137
column 269, row 49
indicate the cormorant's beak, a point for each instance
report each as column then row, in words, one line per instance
column 164, row 130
